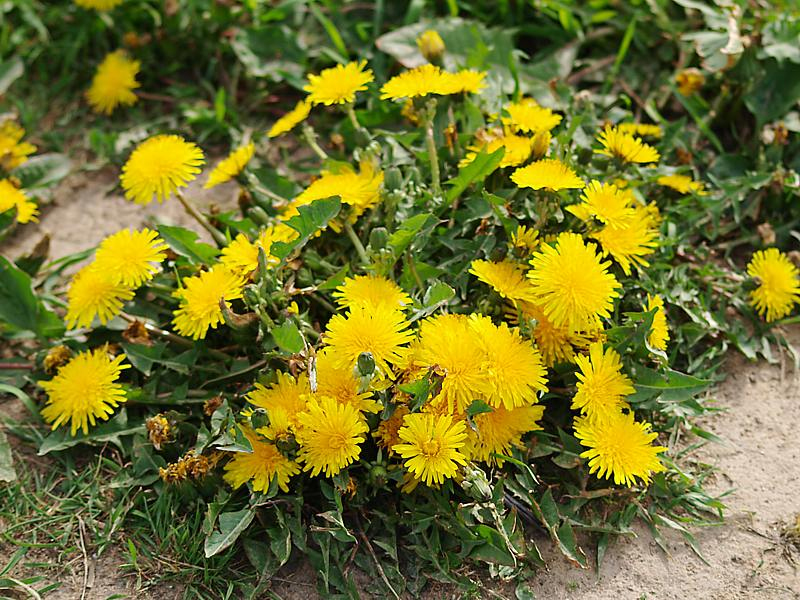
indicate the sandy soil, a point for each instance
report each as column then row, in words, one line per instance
column 760, row 461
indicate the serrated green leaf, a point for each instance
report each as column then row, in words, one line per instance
column 309, row 220
column 110, row 431
column 230, row 526
column 483, row 165
column 288, row 337
column 184, row 242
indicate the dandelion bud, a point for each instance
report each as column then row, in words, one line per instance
column 476, row 484
column 431, row 44
column 259, row 419
column 365, row 364
column 392, row 179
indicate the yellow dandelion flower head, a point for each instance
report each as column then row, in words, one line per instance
column 113, row 83
column 241, row 255
column 524, row 238
column 629, row 245
column 506, row 277
column 130, row 257
column 431, row 45
column 606, row 203
column 659, row 331
column 291, row 119
column 92, row 293
column 642, row 129
column 517, row 149
column 200, row 298
column 13, row 197
column 421, row 81
column 329, row 436
column 288, row 394
column 231, row 166
column 341, row 384
column 449, row 346
column 360, row 190
column 626, row 147
column 683, row 184
column 465, row 81
column 556, row 344
column 84, row 391
column 619, row 447
column 339, row 84
column 778, row 284
column 280, row 428
column 512, row 367
column 381, row 330
column 549, row 174
column 386, row 434
column 690, row 81
column 13, row 151
column 260, row 466
column 571, row 284
column 371, row 291
column 158, row 167
column 499, row 431
column 602, row 386
column 431, row 446
column 527, row 116
column 101, row 5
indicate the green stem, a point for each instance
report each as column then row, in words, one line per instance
column 433, row 156
column 311, row 138
column 362, row 253
column 216, row 234
column 351, row 113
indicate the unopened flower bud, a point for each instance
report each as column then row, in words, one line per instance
column 431, row 45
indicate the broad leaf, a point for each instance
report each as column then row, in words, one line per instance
column 230, row 526
column 309, row 220
column 184, row 242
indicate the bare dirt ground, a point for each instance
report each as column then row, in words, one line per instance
column 748, row 557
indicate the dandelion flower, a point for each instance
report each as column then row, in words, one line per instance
column 386, row 434
column 431, row 448
column 619, row 447
column 778, row 284
column 371, row 291
column 683, row 184
column 101, row 5
column 329, row 436
column 690, row 81
column 381, row 331
column 130, row 257
column 602, row 386
column 291, row 119
column 556, row 344
column 606, row 203
column 338, row 85
column 231, row 166
column 506, row 277
column 421, row 81
column 92, row 293
column 113, row 83
column 260, row 466
column 13, row 197
column 360, row 190
column 448, row 345
column 513, row 367
column 524, row 238
column 517, row 149
column 501, row 430
column 549, row 174
column 288, row 394
column 527, row 116
column 465, row 81
column 659, row 331
column 431, row 45
column 200, row 297
column 626, row 147
column 571, row 284
column 241, row 255
column 158, row 167
column 13, row 151
column 84, row 391
column 341, row 384
column 643, row 129
column 629, row 245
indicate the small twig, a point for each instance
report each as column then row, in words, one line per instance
column 84, row 587
column 13, row 366
column 370, row 549
column 157, row 97
column 176, row 339
column 216, row 234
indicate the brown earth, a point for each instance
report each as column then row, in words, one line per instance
column 747, row 557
